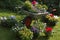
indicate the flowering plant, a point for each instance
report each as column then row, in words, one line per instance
column 50, row 19
column 48, row 29
column 34, row 2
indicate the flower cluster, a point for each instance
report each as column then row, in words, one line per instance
column 48, row 29
column 50, row 19
column 34, row 6
column 34, row 2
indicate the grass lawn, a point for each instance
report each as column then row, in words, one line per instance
column 56, row 35
column 6, row 34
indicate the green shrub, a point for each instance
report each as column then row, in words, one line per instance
column 25, row 34
column 27, row 5
column 9, row 4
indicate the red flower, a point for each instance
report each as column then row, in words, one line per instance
column 51, row 15
column 28, row 21
column 48, row 29
column 34, row 2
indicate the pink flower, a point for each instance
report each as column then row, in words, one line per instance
column 48, row 29
column 51, row 15
column 34, row 2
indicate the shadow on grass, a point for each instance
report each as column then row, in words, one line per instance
column 44, row 38
column 41, row 38
column 7, row 34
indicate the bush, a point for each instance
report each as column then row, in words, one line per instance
column 27, row 5
column 9, row 4
column 12, row 21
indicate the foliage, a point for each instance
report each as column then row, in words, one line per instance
column 9, row 4
column 40, row 6
column 39, row 25
column 25, row 34
column 45, row 6
column 8, row 22
column 27, row 5
column 12, row 22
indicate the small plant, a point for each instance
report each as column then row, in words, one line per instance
column 25, row 34
column 27, row 5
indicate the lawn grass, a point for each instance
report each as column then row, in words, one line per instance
column 7, row 34
column 9, row 13
column 56, row 35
